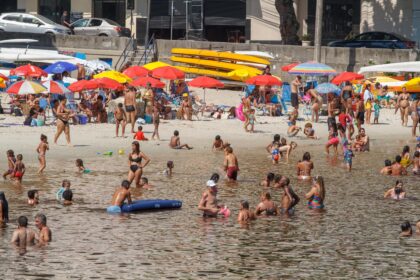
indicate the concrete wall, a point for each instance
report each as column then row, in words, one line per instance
column 388, row 16
column 341, row 59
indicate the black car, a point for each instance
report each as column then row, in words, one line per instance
column 378, row 40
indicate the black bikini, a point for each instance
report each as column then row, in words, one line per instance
column 135, row 167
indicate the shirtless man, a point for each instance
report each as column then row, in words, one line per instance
column 396, row 168
column 305, row 167
column 289, row 198
column 23, row 236
column 245, row 215
column 130, row 106
column 208, row 202
column 44, row 235
column 120, row 195
column 296, row 85
column 230, row 164
column 175, row 142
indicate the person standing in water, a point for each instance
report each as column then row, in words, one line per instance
column 289, row 198
column 245, row 215
column 266, row 206
column 230, row 164
column 11, row 161
column 316, row 195
column 208, row 201
column 4, row 210
column 23, row 236
column 42, row 150
column 44, row 235
column 305, row 167
column 120, row 195
column 135, row 159
column 130, row 106
column 19, row 169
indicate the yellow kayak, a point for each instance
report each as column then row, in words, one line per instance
column 211, row 73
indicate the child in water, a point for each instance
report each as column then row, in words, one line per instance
column 293, row 129
column 20, row 169
column 245, row 215
column 11, row 161
column 250, row 121
column 67, row 197
column 348, row 157
column 309, row 131
column 80, row 167
column 33, row 197
column 144, row 183
column 332, row 141
column 64, row 187
column 275, row 153
column 169, row 167
column 376, row 109
column 140, row 135
column 42, row 150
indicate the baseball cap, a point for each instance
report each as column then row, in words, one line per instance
column 211, row 183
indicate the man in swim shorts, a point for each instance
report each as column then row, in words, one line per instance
column 296, row 85
column 230, row 164
column 130, row 106
column 208, row 202
column 120, row 195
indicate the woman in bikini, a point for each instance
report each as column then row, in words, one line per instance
column 135, row 163
column 305, row 167
column 316, row 100
column 266, row 206
column 415, row 115
column 346, row 96
column 403, row 104
column 63, row 117
column 316, row 195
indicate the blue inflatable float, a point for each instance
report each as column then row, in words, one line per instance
column 151, row 204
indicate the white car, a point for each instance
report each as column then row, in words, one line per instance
column 99, row 27
column 28, row 23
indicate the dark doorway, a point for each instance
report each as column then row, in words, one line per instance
column 53, row 9
column 8, row 6
column 110, row 9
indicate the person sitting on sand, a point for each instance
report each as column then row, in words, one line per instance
column 268, row 180
column 416, row 163
column 266, row 206
column 208, row 201
column 120, row 119
column 396, row 168
column 230, row 164
column 218, row 144
column 139, row 136
column 23, row 236
column 33, row 197
column 175, row 142
column 289, row 198
column 169, row 167
column 361, row 144
column 120, row 195
column 406, row 229
column 293, row 129
column 245, row 215
column 387, row 170
column 309, row 131
column 396, row 192
column 305, row 167
column 67, row 197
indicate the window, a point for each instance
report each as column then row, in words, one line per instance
column 364, row 37
column 12, row 18
column 81, row 23
column 31, row 20
column 95, row 22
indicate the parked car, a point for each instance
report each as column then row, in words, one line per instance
column 22, row 22
column 99, row 27
column 380, row 40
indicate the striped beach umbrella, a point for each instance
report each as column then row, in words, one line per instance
column 26, row 87
column 312, row 68
column 55, row 87
column 327, row 88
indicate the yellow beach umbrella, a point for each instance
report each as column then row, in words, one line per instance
column 153, row 65
column 413, row 85
column 114, row 75
column 382, row 79
column 241, row 74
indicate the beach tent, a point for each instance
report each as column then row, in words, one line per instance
column 411, row 66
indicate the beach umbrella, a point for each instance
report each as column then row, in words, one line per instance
column 26, row 87
column 55, row 87
column 60, row 67
column 136, row 71
column 413, row 85
column 286, row 68
column 264, row 80
column 346, row 77
column 83, row 85
column 107, row 83
column 381, row 79
column 153, row 65
column 3, row 77
column 114, row 75
column 168, row 73
column 325, row 88
column 142, row 82
column 205, row 82
column 97, row 65
column 312, row 68
column 28, row 71
column 242, row 74
column 2, row 84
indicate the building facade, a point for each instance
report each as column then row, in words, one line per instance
column 234, row 20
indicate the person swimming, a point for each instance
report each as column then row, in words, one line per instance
column 33, row 197
column 266, row 206
column 67, row 197
column 396, row 192
column 316, row 195
column 268, row 180
column 80, row 166
column 406, row 229
column 387, row 170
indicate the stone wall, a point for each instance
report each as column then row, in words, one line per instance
column 341, row 59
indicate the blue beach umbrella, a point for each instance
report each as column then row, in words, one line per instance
column 59, row 67
column 327, row 88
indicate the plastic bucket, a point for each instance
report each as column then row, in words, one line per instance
column 148, row 118
column 83, row 119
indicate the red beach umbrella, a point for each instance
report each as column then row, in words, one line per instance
column 264, row 80
column 168, row 73
column 142, row 82
column 287, row 67
column 83, row 85
column 206, row 82
column 136, row 71
column 107, row 83
column 346, row 76
column 55, row 87
column 28, row 71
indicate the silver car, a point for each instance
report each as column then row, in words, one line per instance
column 99, row 27
column 28, row 23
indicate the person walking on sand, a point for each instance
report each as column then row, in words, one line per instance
column 120, row 120
column 42, row 150
column 130, row 106
column 63, row 118
column 230, row 164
